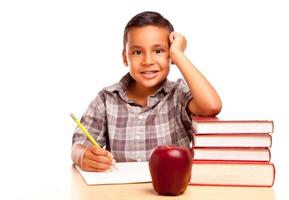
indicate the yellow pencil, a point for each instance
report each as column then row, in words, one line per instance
column 84, row 130
column 92, row 140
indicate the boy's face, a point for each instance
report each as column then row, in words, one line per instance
column 147, row 55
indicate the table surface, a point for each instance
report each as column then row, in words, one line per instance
column 145, row 191
column 68, row 184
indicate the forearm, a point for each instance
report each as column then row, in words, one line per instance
column 206, row 100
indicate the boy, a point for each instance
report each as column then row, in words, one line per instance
column 144, row 109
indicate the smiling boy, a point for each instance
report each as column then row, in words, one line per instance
column 144, row 109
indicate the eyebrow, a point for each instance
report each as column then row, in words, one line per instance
column 154, row 46
column 135, row 47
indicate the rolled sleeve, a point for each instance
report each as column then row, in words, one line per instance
column 94, row 121
column 184, row 95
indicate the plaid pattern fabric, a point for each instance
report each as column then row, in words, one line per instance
column 129, row 131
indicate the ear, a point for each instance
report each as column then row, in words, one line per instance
column 124, row 58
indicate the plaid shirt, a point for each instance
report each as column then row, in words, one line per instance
column 129, row 131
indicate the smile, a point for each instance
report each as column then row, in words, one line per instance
column 150, row 74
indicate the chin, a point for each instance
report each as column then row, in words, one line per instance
column 153, row 83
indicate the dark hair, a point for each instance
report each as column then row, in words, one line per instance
column 144, row 19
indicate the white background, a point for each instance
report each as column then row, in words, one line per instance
column 56, row 55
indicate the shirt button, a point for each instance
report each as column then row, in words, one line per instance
column 138, row 159
column 137, row 137
column 139, row 116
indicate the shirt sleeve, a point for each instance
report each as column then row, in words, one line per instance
column 184, row 95
column 94, row 120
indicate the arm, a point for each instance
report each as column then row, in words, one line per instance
column 83, row 153
column 206, row 101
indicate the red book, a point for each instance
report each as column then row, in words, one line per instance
column 232, row 154
column 232, row 140
column 208, row 125
column 217, row 173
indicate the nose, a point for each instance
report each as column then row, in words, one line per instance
column 148, row 59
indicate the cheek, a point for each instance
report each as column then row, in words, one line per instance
column 164, row 61
column 134, row 60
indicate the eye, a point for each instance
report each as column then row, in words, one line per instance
column 159, row 50
column 137, row 52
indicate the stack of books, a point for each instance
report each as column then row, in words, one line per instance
column 232, row 152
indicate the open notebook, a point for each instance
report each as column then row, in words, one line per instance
column 127, row 172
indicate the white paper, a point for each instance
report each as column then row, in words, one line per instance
column 127, row 172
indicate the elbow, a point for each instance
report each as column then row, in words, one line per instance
column 215, row 110
column 212, row 109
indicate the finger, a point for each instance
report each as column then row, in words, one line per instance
column 102, row 152
column 171, row 37
column 98, row 163
column 102, row 159
column 91, row 169
column 107, row 159
column 98, row 166
column 99, row 151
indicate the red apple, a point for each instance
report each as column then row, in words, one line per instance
column 170, row 169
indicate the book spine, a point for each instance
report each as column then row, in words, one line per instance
column 231, row 140
column 248, row 154
column 231, row 185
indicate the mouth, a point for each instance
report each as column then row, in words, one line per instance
column 150, row 74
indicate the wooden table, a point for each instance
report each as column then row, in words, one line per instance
column 81, row 191
column 63, row 182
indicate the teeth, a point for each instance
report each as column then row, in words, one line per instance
column 150, row 72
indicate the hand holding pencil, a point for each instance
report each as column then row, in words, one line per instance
column 97, row 159
column 93, row 158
